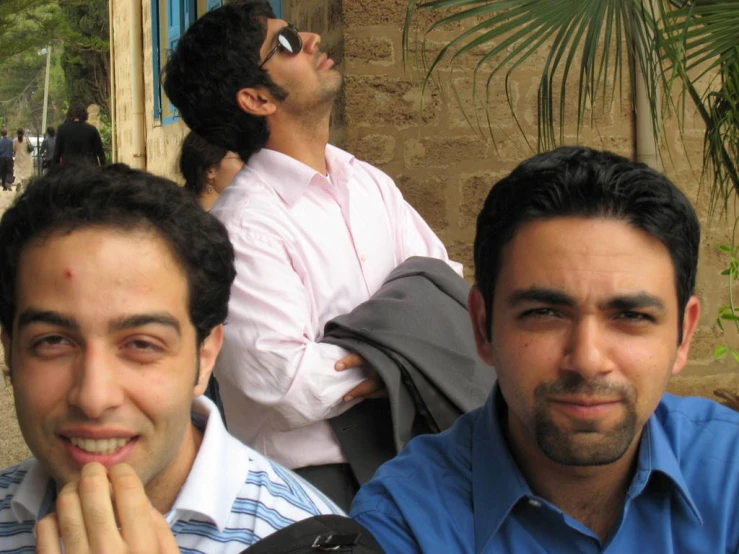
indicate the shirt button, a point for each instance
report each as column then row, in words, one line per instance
column 534, row 503
column 363, row 258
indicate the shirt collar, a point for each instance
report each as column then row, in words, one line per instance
column 289, row 177
column 657, row 455
column 218, row 473
column 208, row 492
column 497, row 483
column 32, row 496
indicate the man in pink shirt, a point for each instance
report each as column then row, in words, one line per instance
column 315, row 231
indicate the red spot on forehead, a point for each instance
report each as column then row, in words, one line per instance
column 68, row 273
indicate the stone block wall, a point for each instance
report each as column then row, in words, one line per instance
column 445, row 149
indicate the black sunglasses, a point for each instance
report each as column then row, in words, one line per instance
column 288, row 39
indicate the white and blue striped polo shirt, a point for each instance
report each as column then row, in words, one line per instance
column 232, row 498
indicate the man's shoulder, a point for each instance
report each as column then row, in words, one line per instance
column 275, row 487
column 11, row 478
column 16, row 535
column 704, row 438
column 406, row 481
column 270, row 498
column 688, row 415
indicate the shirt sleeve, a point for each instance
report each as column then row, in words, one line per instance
column 386, row 524
column 270, row 352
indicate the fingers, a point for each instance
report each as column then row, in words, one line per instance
column 369, row 388
column 94, row 494
column 86, row 518
column 48, row 536
column 134, row 509
column 164, row 537
column 71, row 520
column 352, row 360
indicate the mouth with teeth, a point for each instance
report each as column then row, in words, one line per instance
column 99, row 446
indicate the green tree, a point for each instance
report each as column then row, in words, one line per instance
column 77, row 31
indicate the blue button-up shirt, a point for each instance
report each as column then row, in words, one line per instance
column 6, row 147
column 461, row 492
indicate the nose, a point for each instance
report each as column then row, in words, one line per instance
column 96, row 388
column 311, row 41
column 587, row 349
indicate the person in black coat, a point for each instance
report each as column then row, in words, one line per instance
column 77, row 141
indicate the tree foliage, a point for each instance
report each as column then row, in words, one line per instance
column 77, row 31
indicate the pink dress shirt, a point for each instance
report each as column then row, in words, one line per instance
column 307, row 249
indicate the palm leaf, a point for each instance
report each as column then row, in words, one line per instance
column 589, row 42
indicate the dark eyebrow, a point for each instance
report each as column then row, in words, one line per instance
column 32, row 315
column 637, row 301
column 540, row 295
column 140, row 320
column 625, row 302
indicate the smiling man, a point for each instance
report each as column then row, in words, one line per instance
column 114, row 286
column 316, row 232
column 585, row 266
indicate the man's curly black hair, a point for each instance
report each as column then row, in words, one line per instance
column 118, row 197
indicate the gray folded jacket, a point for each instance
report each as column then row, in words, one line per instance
column 416, row 333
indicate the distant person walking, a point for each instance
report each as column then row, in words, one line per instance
column 47, row 149
column 6, row 160
column 23, row 164
column 77, row 141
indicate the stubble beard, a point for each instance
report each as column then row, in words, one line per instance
column 587, row 444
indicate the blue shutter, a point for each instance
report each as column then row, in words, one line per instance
column 156, row 59
column 174, row 23
column 190, row 14
column 276, row 7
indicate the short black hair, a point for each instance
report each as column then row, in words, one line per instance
column 72, row 198
column 51, row 131
column 77, row 110
column 582, row 182
column 217, row 57
column 197, row 155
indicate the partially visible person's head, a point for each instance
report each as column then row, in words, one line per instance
column 51, row 131
column 208, row 169
column 585, row 266
column 4, row 132
column 218, row 56
column 115, row 285
column 77, row 112
column 238, row 70
column 21, row 134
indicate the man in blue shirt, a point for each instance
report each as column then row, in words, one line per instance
column 6, row 160
column 585, row 267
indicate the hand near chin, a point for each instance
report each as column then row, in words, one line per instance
column 85, row 520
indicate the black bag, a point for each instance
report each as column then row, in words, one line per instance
column 319, row 534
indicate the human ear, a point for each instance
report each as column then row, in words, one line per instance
column 256, row 101
column 480, row 326
column 690, row 323
column 208, row 354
